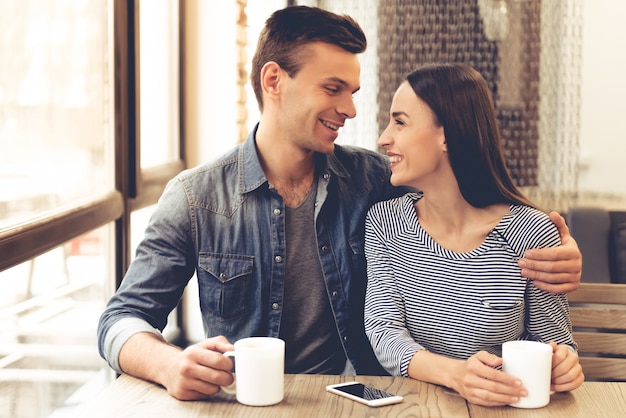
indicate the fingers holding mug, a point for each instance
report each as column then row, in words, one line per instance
column 230, row 389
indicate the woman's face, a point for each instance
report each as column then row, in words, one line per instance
column 414, row 143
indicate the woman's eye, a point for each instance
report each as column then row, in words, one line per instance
column 398, row 122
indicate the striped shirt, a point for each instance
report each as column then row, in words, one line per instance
column 423, row 296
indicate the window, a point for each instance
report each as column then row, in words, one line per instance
column 56, row 107
column 48, row 312
column 81, row 163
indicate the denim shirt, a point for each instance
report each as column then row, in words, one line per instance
column 224, row 222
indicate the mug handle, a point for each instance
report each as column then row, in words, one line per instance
column 230, row 389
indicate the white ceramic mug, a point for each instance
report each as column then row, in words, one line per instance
column 531, row 362
column 259, row 370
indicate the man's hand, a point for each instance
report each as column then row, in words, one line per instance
column 555, row 269
column 194, row 373
column 199, row 370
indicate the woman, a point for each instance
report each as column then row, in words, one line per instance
column 444, row 288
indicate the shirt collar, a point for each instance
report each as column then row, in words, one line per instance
column 332, row 162
column 252, row 176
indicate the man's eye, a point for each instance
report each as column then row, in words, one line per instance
column 332, row 89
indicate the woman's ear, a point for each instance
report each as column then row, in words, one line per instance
column 270, row 78
column 442, row 138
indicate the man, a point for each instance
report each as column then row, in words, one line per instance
column 274, row 229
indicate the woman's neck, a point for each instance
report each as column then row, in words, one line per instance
column 454, row 223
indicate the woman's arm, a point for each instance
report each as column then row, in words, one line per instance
column 384, row 311
column 475, row 379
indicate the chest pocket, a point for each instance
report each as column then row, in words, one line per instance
column 225, row 284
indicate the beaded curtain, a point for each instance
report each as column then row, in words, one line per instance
column 529, row 51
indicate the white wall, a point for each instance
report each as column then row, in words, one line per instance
column 603, row 110
column 211, row 79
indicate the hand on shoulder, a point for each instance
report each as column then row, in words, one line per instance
column 554, row 269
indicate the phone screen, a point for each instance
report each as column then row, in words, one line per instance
column 365, row 392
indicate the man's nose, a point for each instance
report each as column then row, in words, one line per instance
column 347, row 108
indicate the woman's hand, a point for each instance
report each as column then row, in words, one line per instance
column 567, row 373
column 479, row 382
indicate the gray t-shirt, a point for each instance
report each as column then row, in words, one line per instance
column 312, row 342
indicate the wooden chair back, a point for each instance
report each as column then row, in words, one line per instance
column 598, row 313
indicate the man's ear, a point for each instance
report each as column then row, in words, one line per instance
column 270, row 78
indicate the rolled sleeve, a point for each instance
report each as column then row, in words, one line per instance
column 119, row 333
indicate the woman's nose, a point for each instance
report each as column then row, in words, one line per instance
column 384, row 139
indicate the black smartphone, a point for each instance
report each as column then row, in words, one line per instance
column 364, row 394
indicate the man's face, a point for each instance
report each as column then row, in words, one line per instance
column 317, row 101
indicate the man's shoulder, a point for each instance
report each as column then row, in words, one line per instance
column 356, row 162
column 354, row 153
column 216, row 168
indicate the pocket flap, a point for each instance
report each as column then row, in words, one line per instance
column 226, row 267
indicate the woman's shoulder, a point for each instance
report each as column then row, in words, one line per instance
column 527, row 214
column 531, row 228
column 396, row 204
column 388, row 214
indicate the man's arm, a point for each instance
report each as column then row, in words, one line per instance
column 193, row 373
column 554, row 269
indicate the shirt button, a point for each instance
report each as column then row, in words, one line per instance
column 223, row 276
column 278, row 259
column 275, row 306
column 335, row 294
column 276, row 212
column 324, row 248
column 326, row 176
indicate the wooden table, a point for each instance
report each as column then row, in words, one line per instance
column 591, row 400
column 305, row 397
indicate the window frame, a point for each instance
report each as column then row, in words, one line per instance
column 135, row 188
